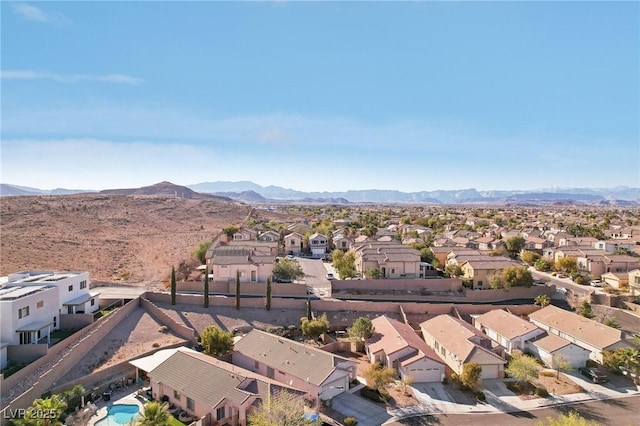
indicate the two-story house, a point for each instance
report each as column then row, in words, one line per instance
column 479, row 272
column 458, row 343
column 293, row 243
column 253, row 262
column 392, row 259
column 318, row 244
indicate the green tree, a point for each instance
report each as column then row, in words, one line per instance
column 73, row 397
column 453, row 270
column 542, row 265
column 154, row 413
column 567, row 264
column 229, row 231
column 54, row 406
column 523, row 368
column 287, row 269
column 426, row 255
column 513, row 276
column 360, row 330
column 542, row 300
column 378, row 376
column 585, row 310
column 206, row 288
column 570, row 419
column 560, row 362
column 309, row 313
column 216, row 342
column 173, row 285
column 471, row 376
column 280, row 408
column 238, row 290
column 314, row 328
column 344, row 263
column 529, row 257
column 631, row 358
column 268, row 294
column 374, row 274
column 514, row 245
column 200, row 252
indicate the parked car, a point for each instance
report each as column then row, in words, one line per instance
column 593, row 374
column 561, row 290
column 289, row 256
column 596, row 283
column 330, row 276
column 626, row 372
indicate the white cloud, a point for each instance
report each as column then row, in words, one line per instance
column 36, row 14
column 68, row 78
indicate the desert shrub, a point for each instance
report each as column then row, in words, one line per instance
column 480, row 396
column 163, row 329
column 455, row 378
column 374, row 395
column 350, row 421
column 541, row 392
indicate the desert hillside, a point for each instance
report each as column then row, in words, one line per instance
column 133, row 239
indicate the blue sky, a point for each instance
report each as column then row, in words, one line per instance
column 321, row 95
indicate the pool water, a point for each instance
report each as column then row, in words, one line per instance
column 119, row 414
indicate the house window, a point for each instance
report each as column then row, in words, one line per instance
column 436, row 346
column 25, row 337
column 23, row 312
column 293, row 243
column 93, row 302
column 40, row 304
column 220, row 413
column 223, row 266
column 256, row 365
column 393, row 271
column 314, row 242
column 344, row 244
column 190, row 404
column 176, row 395
column 270, row 372
column 443, row 352
column 479, row 283
column 83, row 284
column 55, row 322
column 71, row 287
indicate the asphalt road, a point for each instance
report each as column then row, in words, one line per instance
column 315, row 272
column 628, row 322
column 620, row 411
column 562, row 282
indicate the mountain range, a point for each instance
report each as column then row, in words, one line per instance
column 251, row 192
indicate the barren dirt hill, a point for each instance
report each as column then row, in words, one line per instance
column 114, row 237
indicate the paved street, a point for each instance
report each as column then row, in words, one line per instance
column 562, row 282
column 315, row 271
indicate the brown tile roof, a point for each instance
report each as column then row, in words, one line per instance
column 210, row 381
column 584, row 329
column 550, row 342
column 392, row 336
column 296, row 359
column 459, row 338
column 505, row 323
column 490, row 264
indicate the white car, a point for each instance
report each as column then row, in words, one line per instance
column 330, row 276
column 596, row 283
column 561, row 290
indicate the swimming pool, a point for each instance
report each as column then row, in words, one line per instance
column 119, row 414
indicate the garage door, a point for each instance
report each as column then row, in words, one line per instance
column 490, row 372
column 423, row 374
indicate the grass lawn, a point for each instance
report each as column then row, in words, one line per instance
column 175, row 422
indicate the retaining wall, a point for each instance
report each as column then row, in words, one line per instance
column 52, row 367
column 445, row 284
column 183, row 331
column 75, row 321
column 23, row 354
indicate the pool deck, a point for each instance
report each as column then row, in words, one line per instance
column 122, row 396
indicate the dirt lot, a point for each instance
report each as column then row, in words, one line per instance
column 135, row 335
column 133, row 239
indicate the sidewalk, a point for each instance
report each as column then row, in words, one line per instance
column 502, row 400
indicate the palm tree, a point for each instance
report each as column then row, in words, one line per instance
column 55, row 405
column 154, row 413
column 542, row 300
column 631, row 359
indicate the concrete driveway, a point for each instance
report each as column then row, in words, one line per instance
column 433, row 397
column 367, row 412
